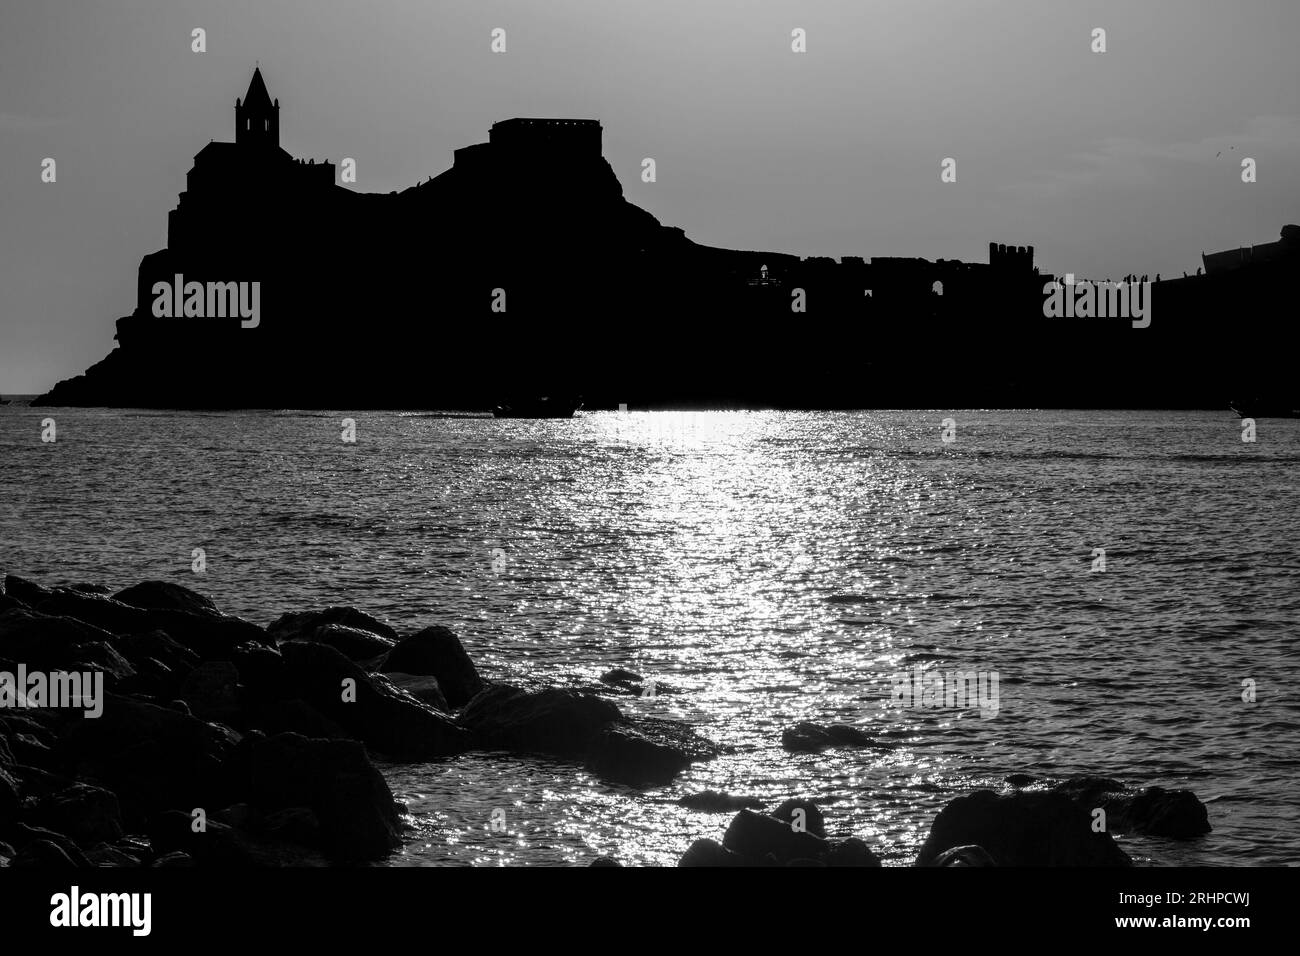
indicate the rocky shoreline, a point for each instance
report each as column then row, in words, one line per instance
column 220, row 742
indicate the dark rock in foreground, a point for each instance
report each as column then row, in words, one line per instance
column 1154, row 811
column 389, row 720
column 813, row 738
column 960, row 856
column 757, row 837
column 437, row 652
column 1022, row 829
column 568, row 723
column 712, row 801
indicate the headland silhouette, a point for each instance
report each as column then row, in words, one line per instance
column 522, row 270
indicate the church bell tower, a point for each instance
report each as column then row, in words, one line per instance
column 257, row 119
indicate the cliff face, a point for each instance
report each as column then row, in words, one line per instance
column 523, row 270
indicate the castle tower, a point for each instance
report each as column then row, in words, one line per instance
column 257, row 120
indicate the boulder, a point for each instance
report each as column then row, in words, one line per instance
column 43, row 855
column 437, row 652
column 44, row 642
column 88, row 815
column 964, row 856
column 10, row 799
column 389, row 720
column 623, row 754
column 210, row 635
column 22, row 835
column 1153, row 811
column 27, row 592
column 713, row 801
column 354, row 643
column 166, row 596
column 295, row 716
column 851, row 852
column 225, row 845
column 756, row 836
column 1022, row 828
column 550, row 721
column 813, row 820
column 709, row 853
column 212, row 691
column 605, row 861
column 356, row 815
column 427, row 690
column 104, row 854
column 807, row 737
column 302, row 625
column 154, row 758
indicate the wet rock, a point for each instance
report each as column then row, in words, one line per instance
column 357, row 816
column 1154, row 811
column 152, row 757
column 427, row 690
column 176, row 858
column 807, row 737
column 86, row 588
column 622, row 754
column 262, row 672
column 353, row 643
column 851, row 852
column 620, row 676
column 569, row 723
column 296, row 716
column 21, row 835
column 221, row 844
column 755, row 836
column 964, row 856
column 390, row 721
column 1023, row 828
column 10, row 799
column 20, row 589
column 605, row 861
column 713, row 801
column 811, row 817
column 293, row 825
column 1169, row 813
column 302, row 625
column 41, row 641
column 437, row 652
column 709, row 853
column 166, row 596
column 212, row 691
column 210, row 635
column 551, row 721
column 43, row 855
column 88, row 815
column 161, row 664
column 105, row 854
column 1020, row 780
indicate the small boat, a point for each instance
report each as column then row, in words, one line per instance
column 544, row 407
column 1260, row 409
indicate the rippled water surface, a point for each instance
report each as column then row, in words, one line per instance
column 771, row 567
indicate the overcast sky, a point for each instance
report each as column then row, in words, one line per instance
column 1105, row 162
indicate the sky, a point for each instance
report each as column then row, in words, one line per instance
column 1107, row 163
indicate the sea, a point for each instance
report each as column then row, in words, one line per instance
column 1129, row 577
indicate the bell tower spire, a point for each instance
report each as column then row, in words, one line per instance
column 257, row 119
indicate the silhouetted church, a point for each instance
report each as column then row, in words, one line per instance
column 523, row 269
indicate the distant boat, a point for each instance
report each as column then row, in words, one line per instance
column 539, row 408
column 1258, row 409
